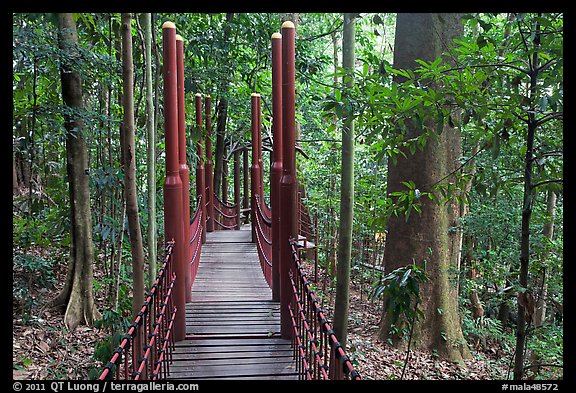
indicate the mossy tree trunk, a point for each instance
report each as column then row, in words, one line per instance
column 129, row 158
column 424, row 238
column 76, row 298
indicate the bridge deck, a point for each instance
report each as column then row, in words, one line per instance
column 232, row 325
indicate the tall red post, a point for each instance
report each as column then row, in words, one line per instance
column 288, row 181
column 183, row 166
column 209, row 168
column 255, row 167
column 200, row 172
column 173, row 228
column 245, row 179
column 260, row 162
column 276, row 169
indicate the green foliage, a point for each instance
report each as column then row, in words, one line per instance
column 116, row 324
column 30, row 271
column 36, row 270
column 401, row 291
column 482, row 327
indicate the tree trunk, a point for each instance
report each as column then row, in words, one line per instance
column 468, row 240
column 222, row 114
column 76, row 296
column 540, row 312
column 130, row 167
column 424, row 239
column 346, row 192
column 151, row 153
column 524, row 310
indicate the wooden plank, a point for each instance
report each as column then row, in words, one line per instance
column 233, row 370
column 230, row 342
column 233, row 327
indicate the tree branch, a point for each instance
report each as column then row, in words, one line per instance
column 533, row 186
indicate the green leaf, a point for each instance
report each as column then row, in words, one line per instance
column 26, row 362
column 405, row 277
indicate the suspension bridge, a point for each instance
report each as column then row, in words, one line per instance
column 231, row 300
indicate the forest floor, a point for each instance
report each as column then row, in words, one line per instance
column 43, row 348
column 375, row 359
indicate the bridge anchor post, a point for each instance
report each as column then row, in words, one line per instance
column 288, row 181
column 173, row 228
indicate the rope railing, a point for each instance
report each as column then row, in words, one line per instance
column 316, row 348
column 264, row 241
column 308, row 233
column 153, row 322
column 196, row 229
column 225, row 214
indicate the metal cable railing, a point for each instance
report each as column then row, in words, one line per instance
column 318, row 352
column 145, row 352
column 196, row 229
column 225, row 214
column 263, row 240
column 135, row 358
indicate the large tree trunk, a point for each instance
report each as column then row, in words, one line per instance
column 346, row 193
column 425, row 238
column 130, row 167
column 76, row 297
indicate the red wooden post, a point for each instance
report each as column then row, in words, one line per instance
column 276, row 169
column 237, row 187
column 254, row 168
column 209, row 168
column 173, row 228
column 246, row 180
column 183, row 168
column 260, row 162
column 288, row 181
column 200, row 172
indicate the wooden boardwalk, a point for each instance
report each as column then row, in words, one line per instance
column 233, row 328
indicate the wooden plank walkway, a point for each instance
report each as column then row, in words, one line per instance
column 233, row 328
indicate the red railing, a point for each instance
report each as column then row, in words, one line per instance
column 225, row 214
column 154, row 321
column 145, row 352
column 308, row 234
column 263, row 230
column 196, row 230
column 317, row 349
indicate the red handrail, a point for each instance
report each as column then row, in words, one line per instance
column 145, row 352
column 318, row 352
column 263, row 226
column 163, row 313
